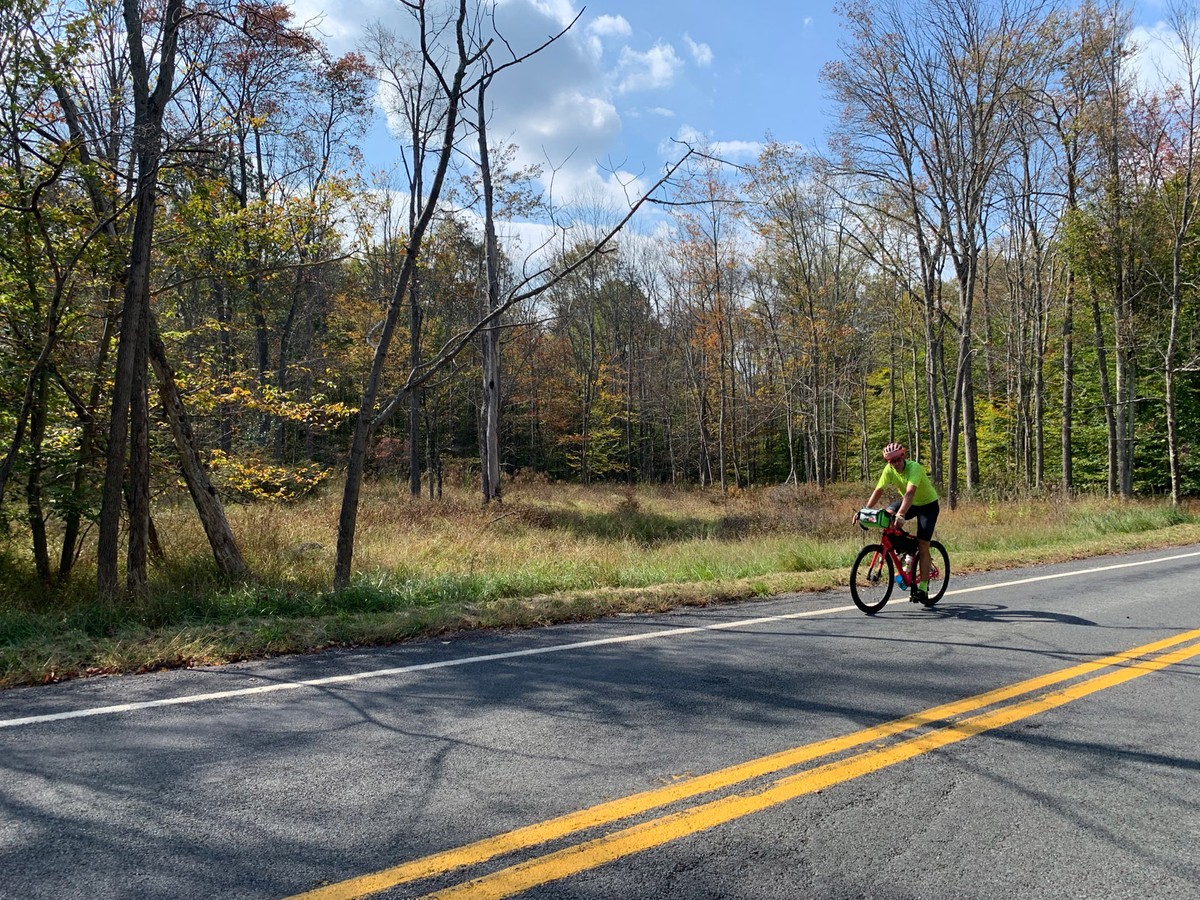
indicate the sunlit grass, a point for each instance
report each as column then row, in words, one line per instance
column 547, row 553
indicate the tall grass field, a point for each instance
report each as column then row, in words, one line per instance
column 548, row 553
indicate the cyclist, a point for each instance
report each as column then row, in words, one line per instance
column 917, row 497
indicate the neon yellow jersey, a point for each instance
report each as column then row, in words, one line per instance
column 914, row 473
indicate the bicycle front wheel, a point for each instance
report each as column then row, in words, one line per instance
column 939, row 572
column 871, row 579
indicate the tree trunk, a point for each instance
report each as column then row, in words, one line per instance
column 138, row 499
column 33, row 486
column 136, row 296
column 1126, row 417
column 1041, row 324
column 958, row 416
column 1105, row 394
column 864, row 454
column 490, row 418
column 1068, row 392
column 208, row 505
column 148, row 116
column 933, row 389
column 414, row 397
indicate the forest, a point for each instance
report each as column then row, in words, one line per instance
column 206, row 293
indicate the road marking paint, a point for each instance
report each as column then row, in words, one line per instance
column 137, row 706
column 635, row 804
column 599, row 851
column 1126, row 565
column 402, row 670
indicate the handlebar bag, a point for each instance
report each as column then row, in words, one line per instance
column 874, row 518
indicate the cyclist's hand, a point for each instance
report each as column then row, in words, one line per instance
column 899, row 520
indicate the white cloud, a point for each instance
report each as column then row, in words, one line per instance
column 737, row 151
column 561, row 11
column 653, row 70
column 730, row 151
column 660, row 112
column 1158, row 58
column 808, row 21
column 559, row 106
column 340, row 27
column 605, row 27
column 610, row 26
column 571, row 113
column 554, row 106
column 701, row 53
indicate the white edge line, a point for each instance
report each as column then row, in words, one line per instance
column 401, row 670
column 1127, row 565
column 514, row 654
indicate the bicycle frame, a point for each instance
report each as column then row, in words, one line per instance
column 909, row 576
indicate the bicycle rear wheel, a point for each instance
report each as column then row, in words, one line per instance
column 939, row 572
column 871, row 579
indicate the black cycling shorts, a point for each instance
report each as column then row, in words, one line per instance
column 927, row 516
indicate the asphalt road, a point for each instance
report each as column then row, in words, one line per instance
column 996, row 746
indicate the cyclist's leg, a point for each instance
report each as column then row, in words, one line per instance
column 927, row 516
column 893, row 508
column 922, row 562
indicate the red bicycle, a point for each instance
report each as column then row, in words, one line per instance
column 874, row 573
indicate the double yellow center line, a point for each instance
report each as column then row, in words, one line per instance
column 935, row 727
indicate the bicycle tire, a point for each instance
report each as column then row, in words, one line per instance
column 939, row 575
column 871, row 579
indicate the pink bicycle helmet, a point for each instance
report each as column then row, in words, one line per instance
column 893, row 451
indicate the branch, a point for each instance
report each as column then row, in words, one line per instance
column 252, row 273
column 421, row 374
column 516, row 60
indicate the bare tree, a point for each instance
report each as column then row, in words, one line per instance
column 420, row 107
column 1115, row 139
column 807, row 249
column 1032, row 207
column 1065, row 106
column 452, row 77
column 1102, row 239
column 708, row 209
column 880, row 137
column 1175, row 137
column 940, row 90
column 489, row 417
column 467, row 49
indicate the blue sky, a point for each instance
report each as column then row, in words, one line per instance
column 633, row 74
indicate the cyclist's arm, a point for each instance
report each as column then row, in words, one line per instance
column 874, row 498
column 907, row 500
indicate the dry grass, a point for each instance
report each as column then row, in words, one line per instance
column 546, row 554
column 602, row 535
